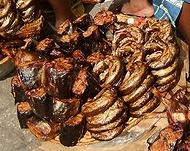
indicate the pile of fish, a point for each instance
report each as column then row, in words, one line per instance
column 106, row 114
column 174, row 137
column 163, row 59
column 16, row 14
column 93, row 75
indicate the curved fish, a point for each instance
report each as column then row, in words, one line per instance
column 101, row 102
column 110, row 126
column 154, row 56
column 8, row 20
column 135, row 79
column 108, row 135
column 167, row 57
column 147, row 108
column 132, row 97
column 168, row 86
column 141, row 101
column 110, row 115
column 15, row 25
column 24, row 4
column 28, row 12
column 165, row 80
column 7, row 5
column 115, row 71
column 166, row 71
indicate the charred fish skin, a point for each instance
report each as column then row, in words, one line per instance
column 167, row 57
column 24, row 57
column 166, row 71
column 105, row 18
column 115, row 71
column 65, row 28
column 136, row 77
column 168, row 86
column 79, row 57
column 101, row 102
column 29, row 10
column 147, row 108
column 69, row 43
column 168, row 138
column 121, row 120
column 108, row 135
column 73, row 131
column 17, row 90
column 161, row 28
column 91, row 33
column 24, row 112
column 15, row 26
column 153, row 56
column 31, row 14
column 140, row 90
column 108, row 116
column 110, row 70
column 22, row 4
column 95, row 57
column 58, row 78
column 6, row 7
column 155, row 44
column 136, row 34
column 81, row 83
column 82, row 23
column 142, row 101
column 40, row 102
column 63, row 109
column 168, row 79
column 45, row 45
column 42, row 129
column 32, row 29
column 6, row 22
column 90, row 38
column 125, row 35
column 30, row 75
column 92, row 84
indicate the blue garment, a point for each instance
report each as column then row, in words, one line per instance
column 168, row 9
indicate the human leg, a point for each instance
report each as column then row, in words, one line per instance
column 183, row 24
column 138, row 8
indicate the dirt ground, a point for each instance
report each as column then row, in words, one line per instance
column 12, row 138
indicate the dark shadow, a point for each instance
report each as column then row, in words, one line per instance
column 11, row 74
column 49, row 18
column 117, row 5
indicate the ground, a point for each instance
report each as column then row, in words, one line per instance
column 12, row 138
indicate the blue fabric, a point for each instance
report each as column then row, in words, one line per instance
column 168, row 9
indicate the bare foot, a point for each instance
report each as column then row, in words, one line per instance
column 138, row 8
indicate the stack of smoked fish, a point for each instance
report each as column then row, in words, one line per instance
column 93, row 75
